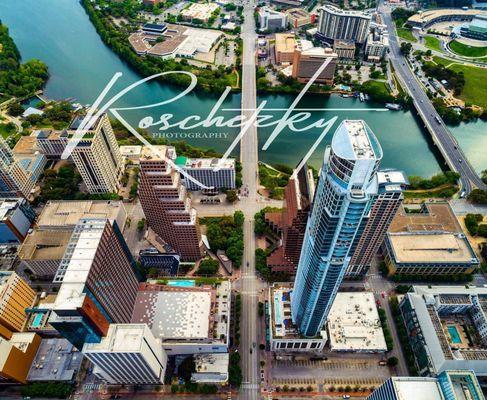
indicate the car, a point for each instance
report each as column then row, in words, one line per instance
column 383, row 295
column 346, row 396
column 254, row 345
column 460, row 160
column 248, row 264
column 250, row 351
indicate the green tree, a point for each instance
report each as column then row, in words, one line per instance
column 232, row 196
column 15, row 109
column 208, row 267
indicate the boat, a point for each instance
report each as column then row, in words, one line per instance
column 361, row 97
column 345, row 95
column 392, row 106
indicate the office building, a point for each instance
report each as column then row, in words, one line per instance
column 298, row 17
column 204, row 171
column 42, row 252
column 16, row 356
column 271, row 20
column 16, row 218
column 344, row 49
column 284, row 335
column 428, row 241
column 128, row 354
column 52, row 143
column 97, row 156
column 308, row 59
column 201, row 12
column 166, row 204
column 447, row 328
column 98, row 283
column 15, row 296
column 345, row 194
column 165, row 263
column 354, row 324
column 8, row 186
column 63, row 215
column 377, row 43
column 388, row 200
column 450, row 385
column 338, row 24
column 476, row 29
column 186, row 318
column 56, row 360
column 284, row 47
column 291, row 222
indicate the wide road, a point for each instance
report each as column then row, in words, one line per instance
column 249, row 341
column 442, row 137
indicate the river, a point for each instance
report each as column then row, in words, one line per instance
column 59, row 33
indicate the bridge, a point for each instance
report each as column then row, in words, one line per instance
column 441, row 135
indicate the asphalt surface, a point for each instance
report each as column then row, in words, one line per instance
column 441, row 135
column 249, row 340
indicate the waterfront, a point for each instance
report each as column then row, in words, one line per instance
column 80, row 65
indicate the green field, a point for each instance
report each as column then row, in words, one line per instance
column 406, row 34
column 6, row 130
column 442, row 61
column 467, row 51
column 432, row 43
column 475, row 90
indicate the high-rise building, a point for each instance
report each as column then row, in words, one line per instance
column 15, row 296
column 307, row 60
column 128, row 354
column 271, row 20
column 346, row 190
column 166, row 204
column 98, row 283
column 336, row 23
column 449, row 385
column 16, row 356
column 291, row 222
column 204, row 171
column 16, row 217
column 377, row 43
column 97, row 156
column 389, row 199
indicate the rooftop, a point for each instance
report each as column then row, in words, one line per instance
column 56, row 360
column 431, row 247
column 26, row 145
column 44, row 245
column 209, row 163
column 285, row 42
column 120, row 338
column 428, row 16
column 65, row 214
column 340, row 11
column 8, row 205
column 417, row 388
column 353, row 140
column 354, row 324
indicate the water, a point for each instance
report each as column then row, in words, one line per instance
column 181, row 283
column 454, row 335
column 80, row 65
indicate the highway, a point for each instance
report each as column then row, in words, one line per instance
column 442, row 137
column 249, row 341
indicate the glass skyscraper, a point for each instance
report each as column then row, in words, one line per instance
column 346, row 191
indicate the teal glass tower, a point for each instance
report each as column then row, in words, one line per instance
column 346, row 191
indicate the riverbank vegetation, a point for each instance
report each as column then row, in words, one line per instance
column 226, row 233
column 440, row 185
column 18, row 79
column 116, row 37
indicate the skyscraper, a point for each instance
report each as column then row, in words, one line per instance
column 389, row 198
column 166, row 204
column 129, row 354
column 298, row 195
column 344, row 196
column 98, row 283
column 336, row 23
column 97, row 156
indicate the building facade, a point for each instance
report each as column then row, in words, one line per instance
column 377, row 43
column 344, row 49
column 388, row 200
column 306, row 63
column 97, row 156
column 211, row 172
column 338, row 24
column 346, row 189
column 98, row 283
column 166, row 264
column 166, row 204
column 129, row 354
column 16, row 218
column 271, row 20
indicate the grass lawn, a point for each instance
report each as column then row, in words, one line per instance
column 467, row 51
column 6, row 130
column 432, row 43
column 406, row 34
column 475, row 90
column 442, row 61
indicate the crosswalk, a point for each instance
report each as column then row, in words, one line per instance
column 91, row 387
column 248, row 385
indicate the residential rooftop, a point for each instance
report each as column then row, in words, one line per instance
column 353, row 140
column 120, row 338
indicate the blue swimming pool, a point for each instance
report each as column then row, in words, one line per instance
column 181, row 283
column 454, row 335
column 36, row 322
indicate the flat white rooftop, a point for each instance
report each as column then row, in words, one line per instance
column 354, row 324
column 353, row 141
column 417, row 389
column 123, row 338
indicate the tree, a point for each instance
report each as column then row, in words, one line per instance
column 392, row 361
column 186, row 369
column 232, row 196
column 141, row 224
column 15, row 109
column 208, row 267
column 406, row 48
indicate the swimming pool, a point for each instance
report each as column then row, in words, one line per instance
column 36, row 322
column 181, row 283
column 454, row 335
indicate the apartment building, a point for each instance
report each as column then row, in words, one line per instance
column 339, row 24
